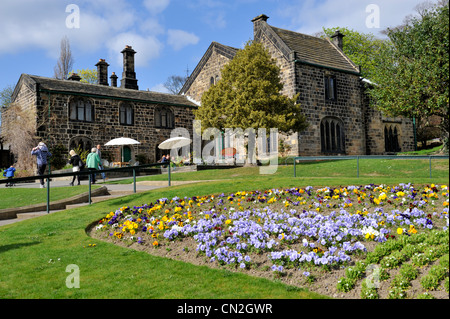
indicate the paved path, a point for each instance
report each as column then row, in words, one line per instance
column 115, row 190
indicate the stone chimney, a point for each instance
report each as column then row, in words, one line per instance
column 74, row 77
column 113, row 78
column 102, row 72
column 129, row 80
column 262, row 18
column 337, row 39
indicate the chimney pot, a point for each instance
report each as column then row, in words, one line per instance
column 102, row 72
column 128, row 80
column 74, row 77
column 113, row 78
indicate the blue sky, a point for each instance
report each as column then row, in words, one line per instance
column 170, row 36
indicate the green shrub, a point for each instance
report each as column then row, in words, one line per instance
column 346, row 284
column 409, row 271
column 356, row 272
column 425, row 295
column 439, row 272
column 446, row 288
column 368, row 293
column 419, row 259
column 409, row 250
column 429, row 282
column 397, row 293
column 401, row 281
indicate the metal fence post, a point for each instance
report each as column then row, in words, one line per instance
column 168, row 170
column 430, row 165
column 295, row 169
column 90, row 189
column 134, row 180
column 48, row 195
column 357, row 166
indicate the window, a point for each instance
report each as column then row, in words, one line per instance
column 164, row 118
column 391, row 144
column 126, row 114
column 330, row 88
column 81, row 110
column 332, row 136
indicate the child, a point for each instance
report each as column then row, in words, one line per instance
column 9, row 173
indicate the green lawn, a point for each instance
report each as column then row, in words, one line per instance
column 34, row 253
column 18, row 197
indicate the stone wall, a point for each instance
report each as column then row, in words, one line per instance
column 58, row 128
column 347, row 108
column 212, row 69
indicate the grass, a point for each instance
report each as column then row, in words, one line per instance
column 18, row 197
column 322, row 173
column 35, row 253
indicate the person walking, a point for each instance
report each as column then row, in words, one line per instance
column 77, row 163
column 100, row 166
column 42, row 154
column 92, row 163
column 9, row 174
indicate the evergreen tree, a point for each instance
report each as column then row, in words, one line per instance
column 249, row 96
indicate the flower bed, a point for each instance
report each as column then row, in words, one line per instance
column 311, row 231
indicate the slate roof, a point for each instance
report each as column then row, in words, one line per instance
column 315, row 50
column 45, row 84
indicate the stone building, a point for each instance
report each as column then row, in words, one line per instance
column 332, row 93
column 72, row 113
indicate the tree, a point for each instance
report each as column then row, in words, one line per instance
column 65, row 61
column 413, row 79
column 87, row 75
column 174, row 83
column 248, row 96
column 362, row 48
column 5, row 100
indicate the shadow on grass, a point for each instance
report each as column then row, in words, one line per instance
column 5, row 248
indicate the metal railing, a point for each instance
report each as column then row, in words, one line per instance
column 90, row 174
column 358, row 157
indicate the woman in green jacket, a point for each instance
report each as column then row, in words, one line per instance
column 92, row 163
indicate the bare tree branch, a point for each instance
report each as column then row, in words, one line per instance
column 65, row 62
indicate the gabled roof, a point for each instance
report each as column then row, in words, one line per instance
column 51, row 85
column 226, row 51
column 317, row 51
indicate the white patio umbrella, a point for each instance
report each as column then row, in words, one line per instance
column 174, row 142
column 121, row 141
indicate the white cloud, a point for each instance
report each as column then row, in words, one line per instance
column 178, row 39
column 156, row 6
column 147, row 48
column 309, row 16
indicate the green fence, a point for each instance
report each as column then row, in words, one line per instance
column 359, row 157
column 48, row 177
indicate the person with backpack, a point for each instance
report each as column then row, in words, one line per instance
column 77, row 164
column 42, row 154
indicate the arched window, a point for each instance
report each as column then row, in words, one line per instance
column 164, row 118
column 391, row 144
column 332, row 135
column 81, row 110
column 126, row 114
column 82, row 142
